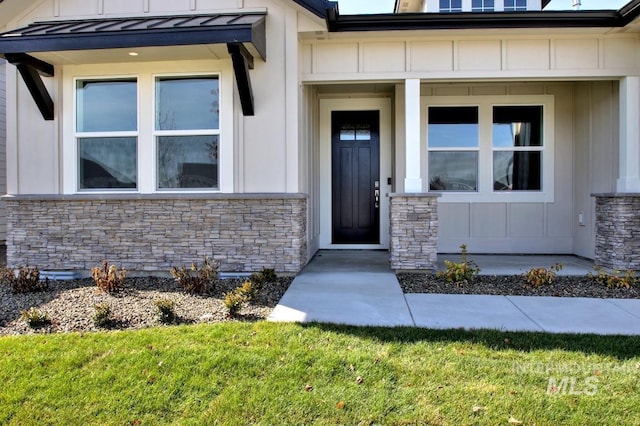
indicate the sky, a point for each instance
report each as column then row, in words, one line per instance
column 350, row 7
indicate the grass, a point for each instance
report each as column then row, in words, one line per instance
column 275, row 374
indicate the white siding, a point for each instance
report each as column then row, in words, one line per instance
column 516, row 227
column 480, row 56
column 3, row 151
column 265, row 145
column 596, row 152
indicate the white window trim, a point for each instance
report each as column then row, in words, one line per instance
column 77, row 135
column 485, row 104
column 145, row 76
column 203, row 132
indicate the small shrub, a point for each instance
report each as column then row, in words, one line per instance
column 615, row 278
column 27, row 280
column 233, row 301
column 102, row 315
column 108, row 278
column 540, row 276
column 166, row 311
column 463, row 272
column 265, row 276
column 35, row 318
column 197, row 279
column 248, row 290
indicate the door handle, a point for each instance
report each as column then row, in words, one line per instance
column 376, row 194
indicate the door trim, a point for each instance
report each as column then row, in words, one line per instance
column 383, row 105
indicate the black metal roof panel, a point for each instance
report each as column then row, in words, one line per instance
column 137, row 32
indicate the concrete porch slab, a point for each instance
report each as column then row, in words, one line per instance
column 446, row 311
column 362, row 298
column 578, row 315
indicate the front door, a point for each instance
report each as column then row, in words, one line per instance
column 355, row 177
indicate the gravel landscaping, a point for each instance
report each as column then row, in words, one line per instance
column 71, row 304
column 515, row 285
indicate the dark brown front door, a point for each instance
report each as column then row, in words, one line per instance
column 355, row 174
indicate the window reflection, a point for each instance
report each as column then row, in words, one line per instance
column 187, row 103
column 107, row 163
column 453, row 171
column 517, row 171
column 187, row 162
column 451, row 127
column 106, row 106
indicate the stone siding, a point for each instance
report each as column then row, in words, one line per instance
column 618, row 231
column 152, row 233
column 414, row 231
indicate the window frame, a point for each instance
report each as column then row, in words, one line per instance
column 450, row 8
column 156, row 134
column 516, row 7
column 454, row 149
column 485, row 191
column 483, row 6
column 77, row 135
column 146, row 152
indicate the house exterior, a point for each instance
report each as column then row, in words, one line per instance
column 152, row 133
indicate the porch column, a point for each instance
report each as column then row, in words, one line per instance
column 618, row 214
column 413, row 180
column 629, row 174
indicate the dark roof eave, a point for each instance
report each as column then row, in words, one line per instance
column 319, row 8
column 470, row 20
column 56, row 36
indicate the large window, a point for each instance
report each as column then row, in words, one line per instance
column 515, row 5
column 187, row 128
column 107, row 133
column 489, row 148
column 482, row 5
column 453, row 140
column 147, row 133
column 450, row 6
column 517, row 148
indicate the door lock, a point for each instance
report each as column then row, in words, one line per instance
column 376, row 193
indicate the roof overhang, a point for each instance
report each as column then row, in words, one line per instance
column 484, row 20
column 243, row 33
column 318, row 7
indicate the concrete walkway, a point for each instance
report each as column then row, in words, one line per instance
column 358, row 288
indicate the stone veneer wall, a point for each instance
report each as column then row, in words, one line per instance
column 414, row 231
column 244, row 232
column 618, row 231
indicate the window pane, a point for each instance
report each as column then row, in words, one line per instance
column 453, row 171
column 107, row 163
column 517, row 171
column 517, row 126
column 189, row 103
column 450, row 5
column 187, row 162
column 451, row 127
column 106, row 106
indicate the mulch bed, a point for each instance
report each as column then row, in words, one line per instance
column 515, row 285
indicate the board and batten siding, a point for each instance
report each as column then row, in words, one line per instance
column 266, row 146
column 3, row 151
column 471, row 57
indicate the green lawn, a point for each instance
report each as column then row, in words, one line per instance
column 264, row 373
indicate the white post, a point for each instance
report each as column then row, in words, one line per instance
column 629, row 177
column 413, row 180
